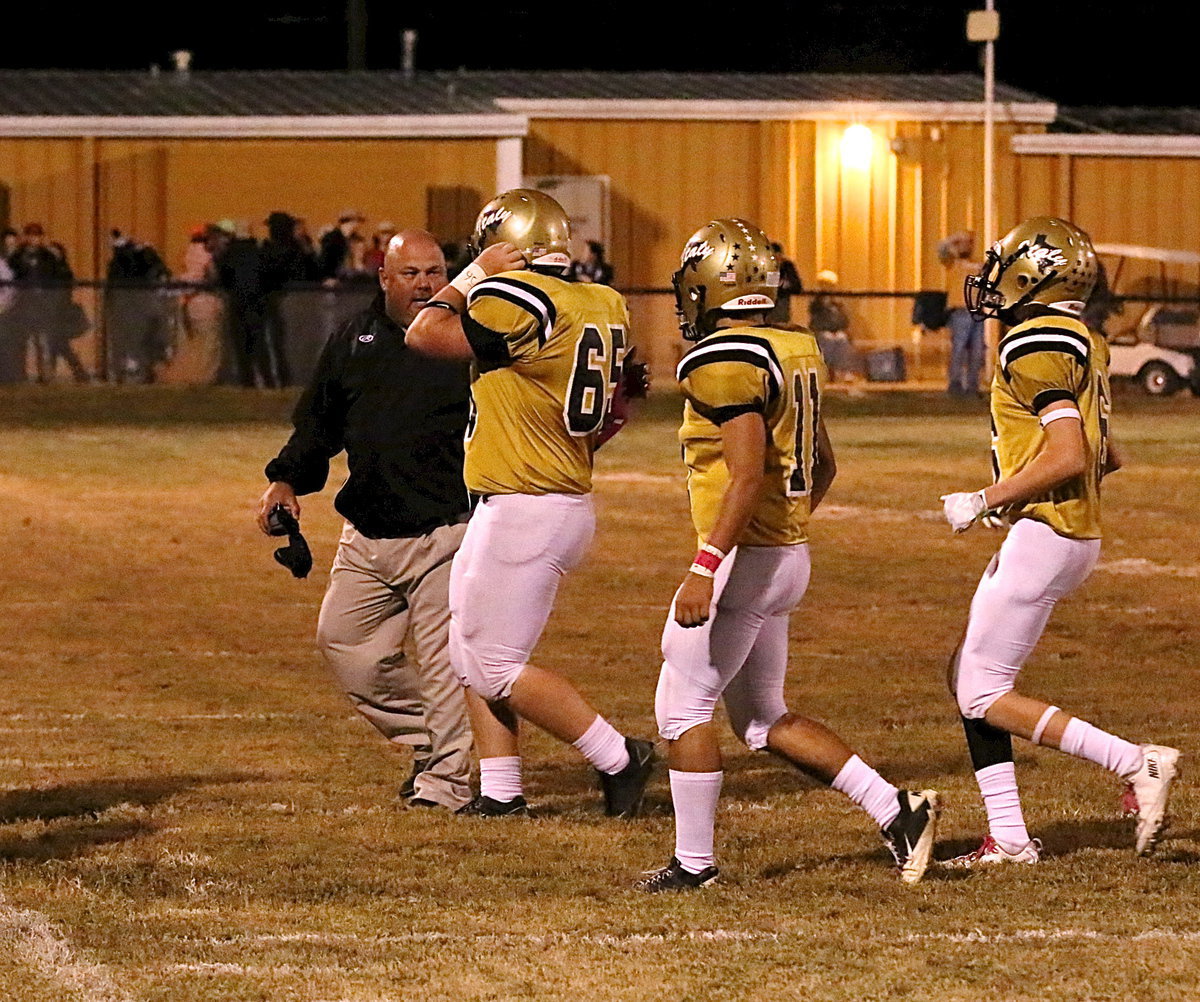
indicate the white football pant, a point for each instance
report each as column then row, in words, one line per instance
column 504, row 579
column 741, row 652
column 1032, row 570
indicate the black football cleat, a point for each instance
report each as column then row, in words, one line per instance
column 623, row 791
column 486, row 807
column 910, row 837
column 673, row 877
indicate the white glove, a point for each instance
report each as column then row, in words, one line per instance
column 963, row 509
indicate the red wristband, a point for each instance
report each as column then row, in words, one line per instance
column 708, row 560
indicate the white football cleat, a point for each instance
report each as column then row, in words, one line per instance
column 1150, row 787
column 992, row 852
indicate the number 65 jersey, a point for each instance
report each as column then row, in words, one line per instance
column 741, row 370
column 549, row 354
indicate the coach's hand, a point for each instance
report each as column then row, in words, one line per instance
column 277, row 493
column 963, row 509
column 693, row 601
column 500, row 257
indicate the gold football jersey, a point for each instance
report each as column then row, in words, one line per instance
column 778, row 374
column 1039, row 362
column 549, row 355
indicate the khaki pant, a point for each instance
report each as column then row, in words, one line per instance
column 382, row 593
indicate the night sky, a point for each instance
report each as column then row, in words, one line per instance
column 1073, row 53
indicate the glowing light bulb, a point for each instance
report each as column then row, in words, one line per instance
column 858, row 142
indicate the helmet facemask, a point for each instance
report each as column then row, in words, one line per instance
column 1043, row 262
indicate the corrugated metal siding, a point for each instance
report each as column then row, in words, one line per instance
column 1132, row 200
column 158, row 190
column 668, row 178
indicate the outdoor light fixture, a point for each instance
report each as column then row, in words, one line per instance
column 858, row 143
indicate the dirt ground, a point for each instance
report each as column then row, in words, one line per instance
column 190, row 810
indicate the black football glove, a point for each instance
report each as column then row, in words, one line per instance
column 296, row 556
column 635, row 377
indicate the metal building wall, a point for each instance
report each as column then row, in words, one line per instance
column 157, row 190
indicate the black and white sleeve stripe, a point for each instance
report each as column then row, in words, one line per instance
column 1028, row 342
column 528, row 297
column 734, row 348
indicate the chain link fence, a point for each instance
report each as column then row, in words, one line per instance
column 184, row 334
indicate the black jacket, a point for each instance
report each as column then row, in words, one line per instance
column 399, row 416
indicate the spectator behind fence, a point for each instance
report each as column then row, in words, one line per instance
column 239, row 273
column 827, row 318
column 137, row 313
column 966, row 333
column 44, row 311
column 593, row 268
column 354, row 271
column 789, row 285
column 197, row 359
column 284, row 261
column 334, row 255
column 379, row 245
column 12, row 363
column 10, row 240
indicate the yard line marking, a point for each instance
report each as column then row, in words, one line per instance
column 494, row 939
column 844, row 511
column 638, row 478
column 1051, row 935
column 31, row 938
column 1140, row 567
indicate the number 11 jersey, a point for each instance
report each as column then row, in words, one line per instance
column 549, row 355
column 753, row 370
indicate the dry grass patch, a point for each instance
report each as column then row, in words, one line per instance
column 193, row 810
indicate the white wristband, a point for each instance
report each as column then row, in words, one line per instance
column 701, row 570
column 1059, row 412
column 468, row 278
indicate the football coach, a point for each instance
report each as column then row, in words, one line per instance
column 385, row 617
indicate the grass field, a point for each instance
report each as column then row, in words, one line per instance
column 189, row 809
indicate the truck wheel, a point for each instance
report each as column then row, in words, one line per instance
column 1158, row 379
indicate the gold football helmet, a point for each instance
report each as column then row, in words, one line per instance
column 531, row 221
column 1043, row 261
column 727, row 265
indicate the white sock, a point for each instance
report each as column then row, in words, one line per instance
column 869, row 790
column 998, row 784
column 695, row 796
column 604, row 746
column 1116, row 754
column 500, row 778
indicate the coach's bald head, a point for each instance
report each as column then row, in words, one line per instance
column 414, row 270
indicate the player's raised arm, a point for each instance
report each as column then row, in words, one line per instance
column 438, row 330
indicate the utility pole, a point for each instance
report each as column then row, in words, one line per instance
column 356, row 34
column 984, row 26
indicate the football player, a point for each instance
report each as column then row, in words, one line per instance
column 551, row 360
column 758, row 462
column 1050, row 450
